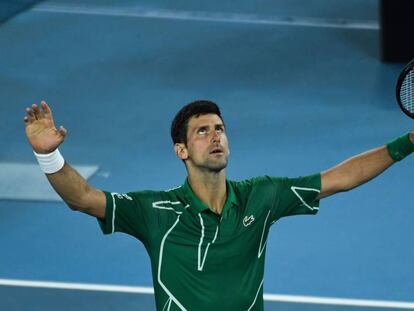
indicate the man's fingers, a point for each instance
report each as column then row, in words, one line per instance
column 62, row 131
column 46, row 109
column 30, row 115
column 37, row 113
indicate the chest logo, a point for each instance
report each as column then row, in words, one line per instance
column 248, row 220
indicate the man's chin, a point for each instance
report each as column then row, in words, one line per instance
column 216, row 167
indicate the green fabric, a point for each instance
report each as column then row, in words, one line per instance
column 401, row 147
column 201, row 260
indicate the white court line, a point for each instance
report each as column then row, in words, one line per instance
column 267, row 297
column 78, row 286
column 209, row 16
column 340, row 301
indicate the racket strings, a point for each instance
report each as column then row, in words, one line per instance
column 406, row 92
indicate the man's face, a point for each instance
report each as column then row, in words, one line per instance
column 207, row 145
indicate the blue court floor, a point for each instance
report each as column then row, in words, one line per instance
column 301, row 88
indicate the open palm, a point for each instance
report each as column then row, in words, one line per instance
column 40, row 129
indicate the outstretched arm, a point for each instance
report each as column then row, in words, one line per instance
column 45, row 138
column 357, row 170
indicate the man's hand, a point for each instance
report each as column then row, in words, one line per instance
column 40, row 129
column 72, row 187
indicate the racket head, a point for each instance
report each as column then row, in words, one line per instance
column 405, row 90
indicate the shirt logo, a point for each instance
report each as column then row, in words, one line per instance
column 248, row 220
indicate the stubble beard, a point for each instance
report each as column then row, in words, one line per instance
column 216, row 166
column 212, row 165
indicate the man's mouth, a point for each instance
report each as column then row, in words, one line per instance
column 217, row 151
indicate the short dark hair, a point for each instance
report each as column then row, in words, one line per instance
column 179, row 125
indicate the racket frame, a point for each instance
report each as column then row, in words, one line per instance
column 409, row 67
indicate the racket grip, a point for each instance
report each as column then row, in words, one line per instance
column 401, row 147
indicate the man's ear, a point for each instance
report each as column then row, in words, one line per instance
column 181, row 151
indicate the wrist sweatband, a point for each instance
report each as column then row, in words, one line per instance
column 401, row 147
column 51, row 162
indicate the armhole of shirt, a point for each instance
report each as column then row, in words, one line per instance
column 107, row 224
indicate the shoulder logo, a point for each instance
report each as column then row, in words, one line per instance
column 248, row 220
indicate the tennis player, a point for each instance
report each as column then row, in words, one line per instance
column 206, row 239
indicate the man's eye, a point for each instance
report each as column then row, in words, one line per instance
column 220, row 130
column 202, row 131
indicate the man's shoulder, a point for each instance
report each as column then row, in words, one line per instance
column 256, row 181
column 156, row 200
column 255, row 185
column 174, row 193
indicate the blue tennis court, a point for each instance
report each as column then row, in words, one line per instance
column 301, row 88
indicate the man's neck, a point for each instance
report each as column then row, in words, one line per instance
column 210, row 188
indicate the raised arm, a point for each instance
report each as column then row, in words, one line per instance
column 45, row 138
column 363, row 167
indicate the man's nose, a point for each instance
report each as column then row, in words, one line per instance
column 216, row 137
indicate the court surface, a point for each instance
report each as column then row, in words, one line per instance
column 301, row 88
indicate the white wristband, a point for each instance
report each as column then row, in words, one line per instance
column 51, row 162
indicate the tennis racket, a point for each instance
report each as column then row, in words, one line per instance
column 405, row 90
